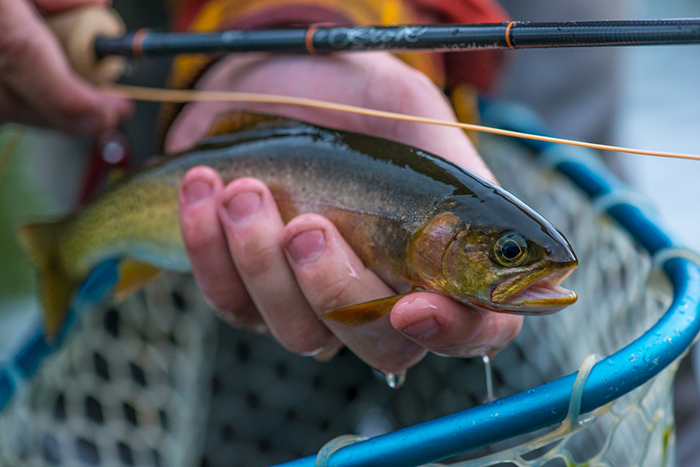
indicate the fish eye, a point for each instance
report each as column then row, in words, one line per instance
column 510, row 250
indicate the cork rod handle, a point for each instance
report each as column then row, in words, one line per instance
column 77, row 29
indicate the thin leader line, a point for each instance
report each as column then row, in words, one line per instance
column 190, row 95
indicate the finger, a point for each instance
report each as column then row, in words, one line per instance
column 208, row 253
column 331, row 276
column 34, row 69
column 253, row 228
column 16, row 110
column 448, row 328
column 12, row 109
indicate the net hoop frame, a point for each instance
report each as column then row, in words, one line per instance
column 547, row 405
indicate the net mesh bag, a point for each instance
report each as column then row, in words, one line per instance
column 158, row 380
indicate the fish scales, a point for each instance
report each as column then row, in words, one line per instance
column 308, row 171
column 418, row 221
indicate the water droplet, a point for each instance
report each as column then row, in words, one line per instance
column 489, row 378
column 395, row 380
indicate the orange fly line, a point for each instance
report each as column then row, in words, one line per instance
column 189, row 95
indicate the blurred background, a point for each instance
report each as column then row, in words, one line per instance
column 645, row 97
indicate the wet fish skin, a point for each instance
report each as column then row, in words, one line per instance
column 418, row 221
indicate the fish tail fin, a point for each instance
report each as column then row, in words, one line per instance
column 56, row 286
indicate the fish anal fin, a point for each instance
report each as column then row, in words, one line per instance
column 363, row 313
column 237, row 121
column 133, row 275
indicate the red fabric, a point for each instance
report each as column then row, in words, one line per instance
column 479, row 68
column 186, row 13
column 462, row 11
column 288, row 16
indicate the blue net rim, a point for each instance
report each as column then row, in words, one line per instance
column 548, row 404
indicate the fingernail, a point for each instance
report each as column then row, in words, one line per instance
column 307, row 246
column 243, row 206
column 197, row 191
column 423, row 329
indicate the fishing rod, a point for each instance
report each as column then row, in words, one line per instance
column 88, row 32
column 97, row 43
column 317, row 39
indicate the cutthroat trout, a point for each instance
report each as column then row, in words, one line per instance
column 418, row 221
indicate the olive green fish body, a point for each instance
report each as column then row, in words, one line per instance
column 402, row 210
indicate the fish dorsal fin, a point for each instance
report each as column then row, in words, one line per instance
column 237, row 121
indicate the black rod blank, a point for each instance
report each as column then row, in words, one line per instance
column 321, row 40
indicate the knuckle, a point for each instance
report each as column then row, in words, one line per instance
column 334, row 293
column 257, row 258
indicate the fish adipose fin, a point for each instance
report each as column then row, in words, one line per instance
column 56, row 286
column 133, row 276
column 237, row 121
column 363, row 313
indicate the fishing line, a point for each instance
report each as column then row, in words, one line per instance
column 191, row 95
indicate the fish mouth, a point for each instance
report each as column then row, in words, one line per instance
column 534, row 293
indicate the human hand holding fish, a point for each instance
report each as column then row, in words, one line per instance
column 263, row 275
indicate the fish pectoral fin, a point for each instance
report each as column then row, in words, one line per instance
column 363, row 313
column 133, row 275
